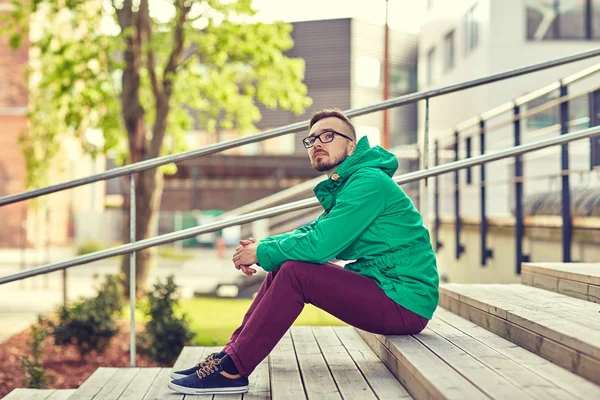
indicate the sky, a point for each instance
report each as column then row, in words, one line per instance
column 406, row 15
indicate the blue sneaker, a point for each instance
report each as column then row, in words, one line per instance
column 190, row 371
column 210, row 379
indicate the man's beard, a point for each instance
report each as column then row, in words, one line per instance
column 329, row 165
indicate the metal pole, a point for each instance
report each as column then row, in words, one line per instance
column 424, row 164
column 459, row 247
column 485, row 252
column 386, row 78
column 132, row 221
column 519, row 226
column 594, row 141
column 436, row 196
column 567, row 227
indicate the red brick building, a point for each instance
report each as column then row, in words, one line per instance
column 13, row 122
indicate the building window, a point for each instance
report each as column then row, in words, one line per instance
column 430, row 65
column 368, row 71
column 563, row 19
column 402, row 80
column 545, row 118
column 472, row 29
column 449, row 52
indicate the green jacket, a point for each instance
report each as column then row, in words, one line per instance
column 367, row 218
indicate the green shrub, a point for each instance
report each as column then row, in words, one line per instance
column 90, row 246
column 36, row 375
column 90, row 323
column 166, row 334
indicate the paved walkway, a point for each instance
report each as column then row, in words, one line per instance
column 22, row 301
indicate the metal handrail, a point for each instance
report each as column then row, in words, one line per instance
column 298, row 205
column 292, row 128
column 526, row 98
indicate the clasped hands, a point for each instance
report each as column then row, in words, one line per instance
column 245, row 256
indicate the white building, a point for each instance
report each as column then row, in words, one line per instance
column 466, row 39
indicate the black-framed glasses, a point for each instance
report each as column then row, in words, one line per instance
column 324, row 137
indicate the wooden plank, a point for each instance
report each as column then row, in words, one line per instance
column 594, row 294
column 573, row 289
column 549, row 371
column 189, row 356
column 579, row 272
column 379, row 377
column 580, row 311
column 406, row 379
column 92, row 385
column 61, row 394
column 552, row 350
column 348, row 378
column 286, row 383
column 259, row 386
column 580, row 337
column 117, row 384
column 318, row 382
column 436, row 378
column 29, row 394
column 141, row 384
column 485, row 378
column 527, row 382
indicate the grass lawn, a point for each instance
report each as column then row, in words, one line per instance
column 214, row 320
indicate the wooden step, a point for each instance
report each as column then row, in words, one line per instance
column 578, row 280
column 40, row 394
column 559, row 328
column 308, row 363
column 453, row 358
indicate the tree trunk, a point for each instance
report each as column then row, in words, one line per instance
column 148, row 193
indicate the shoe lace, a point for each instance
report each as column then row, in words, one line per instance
column 210, row 368
column 206, row 360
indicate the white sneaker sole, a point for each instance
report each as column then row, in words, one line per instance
column 186, row 390
column 177, row 376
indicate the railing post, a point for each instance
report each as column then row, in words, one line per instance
column 593, row 102
column 567, row 229
column 423, row 165
column 459, row 247
column 436, row 195
column 519, row 225
column 132, row 222
column 485, row 252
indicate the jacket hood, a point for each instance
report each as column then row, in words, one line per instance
column 366, row 156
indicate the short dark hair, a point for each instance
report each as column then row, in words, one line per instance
column 332, row 113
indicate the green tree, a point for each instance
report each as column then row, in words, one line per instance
column 143, row 74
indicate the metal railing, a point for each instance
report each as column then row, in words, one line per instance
column 517, row 116
column 130, row 170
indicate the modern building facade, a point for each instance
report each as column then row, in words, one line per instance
column 466, row 39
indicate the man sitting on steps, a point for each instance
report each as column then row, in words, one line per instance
column 391, row 288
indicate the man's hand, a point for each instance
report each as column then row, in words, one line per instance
column 246, row 255
column 245, row 268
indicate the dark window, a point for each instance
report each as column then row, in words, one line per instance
column 471, row 29
column 563, row 19
column 430, row 66
column 449, row 52
column 545, row 118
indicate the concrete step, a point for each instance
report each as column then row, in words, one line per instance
column 578, row 280
column 40, row 394
column 454, row 358
column 559, row 328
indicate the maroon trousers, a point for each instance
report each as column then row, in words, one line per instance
column 351, row 297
